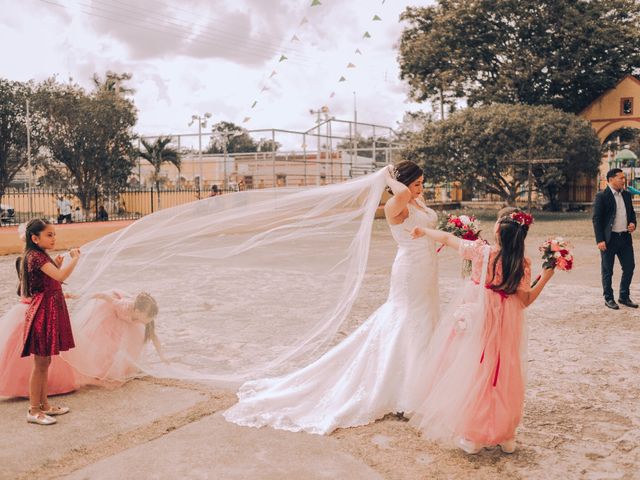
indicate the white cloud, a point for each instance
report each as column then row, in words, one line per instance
column 200, row 55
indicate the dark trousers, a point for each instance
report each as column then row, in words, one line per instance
column 621, row 246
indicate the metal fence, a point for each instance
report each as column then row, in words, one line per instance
column 18, row 205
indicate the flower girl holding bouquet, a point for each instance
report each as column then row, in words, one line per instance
column 474, row 390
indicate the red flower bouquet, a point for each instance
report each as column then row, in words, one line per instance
column 465, row 227
column 556, row 254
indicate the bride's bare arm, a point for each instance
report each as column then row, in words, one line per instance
column 445, row 238
column 401, row 197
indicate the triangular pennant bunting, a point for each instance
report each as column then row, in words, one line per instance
column 351, row 65
column 246, row 119
column 273, row 74
column 376, row 18
column 358, row 51
column 366, row 35
column 295, row 38
column 264, row 89
column 303, row 21
column 254, row 104
column 315, row 3
column 283, row 58
column 333, row 94
column 342, row 79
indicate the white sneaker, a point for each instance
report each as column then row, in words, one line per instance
column 509, row 446
column 469, row 447
column 40, row 419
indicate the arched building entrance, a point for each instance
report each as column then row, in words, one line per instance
column 618, row 109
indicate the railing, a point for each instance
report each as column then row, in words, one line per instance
column 19, row 205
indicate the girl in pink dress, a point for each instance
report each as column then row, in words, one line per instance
column 111, row 330
column 47, row 328
column 16, row 370
column 474, row 391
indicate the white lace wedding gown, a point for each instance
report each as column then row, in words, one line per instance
column 375, row 370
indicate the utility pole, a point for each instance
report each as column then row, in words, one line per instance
column 202, row 123
column 324, row 109
column 28, row 123
column 355, row 116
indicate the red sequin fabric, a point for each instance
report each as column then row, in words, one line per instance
column 47, row 328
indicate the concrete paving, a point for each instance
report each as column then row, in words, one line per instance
column 212, row 448
column 97, row 415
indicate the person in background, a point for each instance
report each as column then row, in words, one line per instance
column 102, row 216
column 614, row 220
column 77, row 215
column 64, row 210
column 215, row 191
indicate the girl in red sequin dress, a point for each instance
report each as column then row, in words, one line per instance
column 47, row 328
column 16, row 370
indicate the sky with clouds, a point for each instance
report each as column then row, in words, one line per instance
column 218, row 56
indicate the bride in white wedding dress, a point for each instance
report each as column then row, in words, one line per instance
column 377, row 369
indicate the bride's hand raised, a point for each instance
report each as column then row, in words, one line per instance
column 417, row 232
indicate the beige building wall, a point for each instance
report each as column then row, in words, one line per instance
column 617, row 108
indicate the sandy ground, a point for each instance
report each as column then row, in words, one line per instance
column 582, row 412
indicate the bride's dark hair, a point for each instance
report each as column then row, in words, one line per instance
column 511, row 235
column 407, row 172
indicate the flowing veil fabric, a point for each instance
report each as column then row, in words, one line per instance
column 250, row 284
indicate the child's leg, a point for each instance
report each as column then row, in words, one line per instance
column 38, row 372
column 44, row 379
column 44, row 401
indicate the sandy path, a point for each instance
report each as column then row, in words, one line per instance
column 582, row 414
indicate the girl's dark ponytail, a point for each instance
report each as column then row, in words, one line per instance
column 512, row 232
column 34, row 227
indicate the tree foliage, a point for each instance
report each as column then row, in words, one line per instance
column 158, row 153
column 13, row 129
column 478, row 146
column 90, row 134
column 237, row 140
column 563, row 53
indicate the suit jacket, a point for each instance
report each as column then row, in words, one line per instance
column 604, row 213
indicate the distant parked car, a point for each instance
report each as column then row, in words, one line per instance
column 7, row 213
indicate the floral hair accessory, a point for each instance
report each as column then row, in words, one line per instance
column 22, row 232
column 522, row 218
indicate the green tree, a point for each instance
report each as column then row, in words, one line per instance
column 113, row 83
column 267, row 145
column 158, row 153
column 232, row 137
column 563, row 53
column 90, row 134
column 13, row 129
column 478, row 146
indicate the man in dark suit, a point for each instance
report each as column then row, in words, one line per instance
column 614, row 220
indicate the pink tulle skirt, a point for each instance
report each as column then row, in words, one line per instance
column 15, row 370
column 108, row 346
column 476, row 382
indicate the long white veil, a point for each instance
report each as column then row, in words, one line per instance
column 249, row 284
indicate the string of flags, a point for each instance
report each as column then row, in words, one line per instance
column 350, row 65
column 296, row 38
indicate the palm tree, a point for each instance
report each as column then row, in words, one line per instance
column 156, row 154
column 112, row 83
